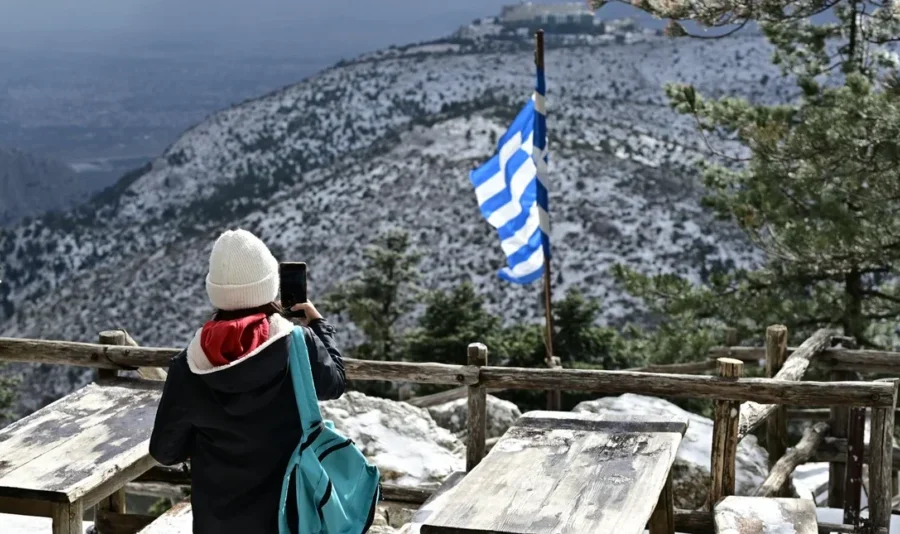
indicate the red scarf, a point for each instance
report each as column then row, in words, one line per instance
column 224, row 342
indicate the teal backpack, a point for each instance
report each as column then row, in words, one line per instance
column 337, row 488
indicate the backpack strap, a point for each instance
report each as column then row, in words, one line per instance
column 304, row 387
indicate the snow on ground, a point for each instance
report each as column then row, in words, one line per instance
column 23, row 524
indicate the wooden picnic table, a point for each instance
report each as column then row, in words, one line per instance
column 568, row 473
column 78, row 452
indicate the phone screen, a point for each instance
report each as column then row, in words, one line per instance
column 293, row 283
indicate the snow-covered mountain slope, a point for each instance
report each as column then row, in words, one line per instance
column 318, row 168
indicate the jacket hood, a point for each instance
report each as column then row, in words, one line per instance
column 246, row 383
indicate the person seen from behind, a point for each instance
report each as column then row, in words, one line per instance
column 228, row 403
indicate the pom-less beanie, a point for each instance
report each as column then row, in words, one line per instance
column 243, row 273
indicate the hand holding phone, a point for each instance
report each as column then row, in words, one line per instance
column 306, row 312
column 293, row 286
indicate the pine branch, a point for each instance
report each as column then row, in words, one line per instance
column 879, row 294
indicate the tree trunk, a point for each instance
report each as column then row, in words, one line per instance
column 853, row 322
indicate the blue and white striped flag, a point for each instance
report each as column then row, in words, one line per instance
column 511, row 189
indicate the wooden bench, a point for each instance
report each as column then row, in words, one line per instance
column 78, row 452
column 568, row 473
column 764, row 515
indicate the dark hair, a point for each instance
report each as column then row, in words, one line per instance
column 227, row 315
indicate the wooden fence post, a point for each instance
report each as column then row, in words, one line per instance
column 776, row 424
column 554, row 396
column 115, row 503
column 838, row 423
column 111, row 337
column 852, row 495
column 121, row 337
column 731, row 337
column 476, row 420
column 881, row 446
column 725, row 436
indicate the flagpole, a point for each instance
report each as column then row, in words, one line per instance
column 554, row 400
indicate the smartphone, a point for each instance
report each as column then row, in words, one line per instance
column 293, row 284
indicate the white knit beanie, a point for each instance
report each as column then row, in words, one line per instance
column 242, row 272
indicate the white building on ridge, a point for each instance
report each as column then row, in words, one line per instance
column 528, row 14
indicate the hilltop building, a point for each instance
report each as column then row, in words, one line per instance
column 572, row 16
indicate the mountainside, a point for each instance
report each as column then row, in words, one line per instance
column 318, row 168
column 32, row 185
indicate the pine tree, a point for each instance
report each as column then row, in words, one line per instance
column 382, row 296
column 450, row 322
column 576, row 340
column 819, row 194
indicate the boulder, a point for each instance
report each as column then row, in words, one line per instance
column 691, row 471
column 501, row 414
column 401, row 439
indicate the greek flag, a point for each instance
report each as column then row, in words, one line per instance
column 511, row 189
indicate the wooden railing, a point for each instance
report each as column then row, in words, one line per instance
column 742, row 404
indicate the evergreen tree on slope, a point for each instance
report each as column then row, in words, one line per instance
column 385, row 292
column 820, row 191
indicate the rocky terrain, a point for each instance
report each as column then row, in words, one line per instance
column 317, row 169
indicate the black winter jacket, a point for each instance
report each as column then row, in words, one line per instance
column 238, row 424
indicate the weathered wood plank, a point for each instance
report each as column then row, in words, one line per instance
column 67, row 518
column 663, row 519
column 677, row 368
column 818, row 414
column 835, row 450
column 852, row 490
column 881, row 441
column 133, row 358
column 476, row 421
column 838, row 420
column 776, row 424
column 80, row 445
column 435, row 502
column 10, row 505
column 836, row 358
column 122, row 338
column 725, row 437
column 420, row 373
column 177, row 520
column 111, row 337
column 758, row 515
column 758, row 390
column 117, row 523
column 753, row 413
column 112, row 479
column 84, row 354
column 780, row 473
column 609, row 382
column 564, row 480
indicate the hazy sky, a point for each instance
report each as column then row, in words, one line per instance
column 333, row 27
